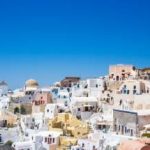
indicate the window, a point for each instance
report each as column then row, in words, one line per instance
column 49, row 140
column 131, row 132
column 115, row 127
column 117, row 78
column 125, row 129
column 119, row 128
column 47, row 110
column 86, row 109
column 107, row 100
column 66, row 104
column 128, row 91
column 86, row 87
column 120, row 102
column 134, row 91
column 122, row 129
column 134, row 87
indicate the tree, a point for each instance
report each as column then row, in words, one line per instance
column 16, row 110
column 23, row 110
column 9, row 143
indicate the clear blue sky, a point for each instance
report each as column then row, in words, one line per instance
column 49, row 39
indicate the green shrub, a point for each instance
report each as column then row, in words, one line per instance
column 146, row 135
column 16, row 110
column 23, row 110
column 9, row 143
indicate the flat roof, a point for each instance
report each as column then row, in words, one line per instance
column 138, row 112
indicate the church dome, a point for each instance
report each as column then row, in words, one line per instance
column 3, row 83
column 31, row 83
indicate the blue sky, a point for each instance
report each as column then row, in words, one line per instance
column 49, row 39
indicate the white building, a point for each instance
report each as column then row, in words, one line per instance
column 11, row 134
column 20, row 96
column 63, row 97
column 101, row 141
column 4, row 102
column 133, row 87
column 96, row 86
column 51, row 110
column 3, row 88
column 83, row 107
column 43, row 140
column 32, row 122
column 47, row 140
column 80, row 89
column 92, row 87
column 24, row 145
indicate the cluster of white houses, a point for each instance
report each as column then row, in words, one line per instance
column 105, row 113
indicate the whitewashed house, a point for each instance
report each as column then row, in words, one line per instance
column 4, row 102
column 63, row 97
column 45, row 140
column 23, row 145
column 83, row 107
column 51, row 110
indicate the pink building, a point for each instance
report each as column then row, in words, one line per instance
column 40, row 100
column 142, row 144
column 121, row 72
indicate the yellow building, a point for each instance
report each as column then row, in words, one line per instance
column 70, row 125
column 7, row 119
column 66, row 142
